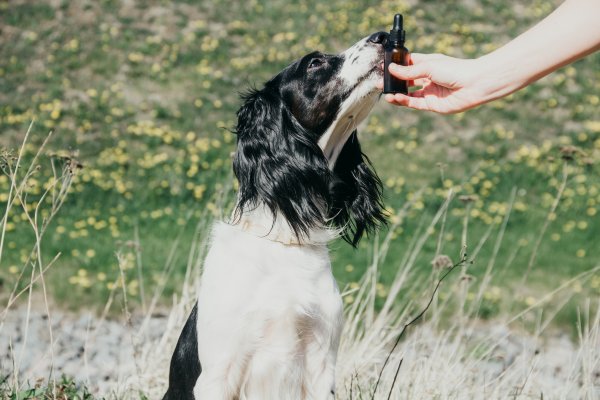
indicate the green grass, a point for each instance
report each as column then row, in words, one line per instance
column 144, row 97
column 63, row 388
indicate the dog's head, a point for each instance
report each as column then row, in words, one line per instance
column 298, row 152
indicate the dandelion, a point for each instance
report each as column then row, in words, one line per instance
column 135, row 57
column 530, row 300
column 381, row 290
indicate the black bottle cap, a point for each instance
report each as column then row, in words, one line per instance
column 397, row 33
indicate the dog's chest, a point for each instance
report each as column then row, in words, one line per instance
column 260, row 278
column 261, row 299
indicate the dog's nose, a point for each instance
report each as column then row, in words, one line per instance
column 378, row 37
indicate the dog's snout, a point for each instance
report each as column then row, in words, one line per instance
column 378, row 38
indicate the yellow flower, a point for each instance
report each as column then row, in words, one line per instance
column 135, row 57
column 530, row 300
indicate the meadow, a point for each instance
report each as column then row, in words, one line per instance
column 141, row 97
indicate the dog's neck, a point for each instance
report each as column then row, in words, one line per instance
column 259, row 222
column 352, row 113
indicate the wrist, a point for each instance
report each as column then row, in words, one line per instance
column 494, row 77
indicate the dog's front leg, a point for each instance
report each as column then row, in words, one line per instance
column 320, row 366
column 321, row 351
column 211, row 388
column 221, row 372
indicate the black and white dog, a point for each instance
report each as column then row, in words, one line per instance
column 269, row 314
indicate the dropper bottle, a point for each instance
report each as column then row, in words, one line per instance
column 395, row 52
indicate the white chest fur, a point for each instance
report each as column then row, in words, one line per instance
column 269, row 319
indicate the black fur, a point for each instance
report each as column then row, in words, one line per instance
column 356, row 193
column 279, row 163
column 185, row 366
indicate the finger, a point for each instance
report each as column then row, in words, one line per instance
column 417, row 103
column 410, row 72
column 416, row 58
column 410, row 82
column 421, row 82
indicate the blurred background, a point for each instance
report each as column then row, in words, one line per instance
column 143, row 95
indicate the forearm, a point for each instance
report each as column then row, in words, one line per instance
column 569, row 33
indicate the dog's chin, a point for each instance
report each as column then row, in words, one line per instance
column 367, row 84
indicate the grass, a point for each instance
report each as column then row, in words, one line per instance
column 430, row 344
column 143, row 95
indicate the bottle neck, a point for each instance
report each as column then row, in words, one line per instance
column 396, row 38
column 395, row 43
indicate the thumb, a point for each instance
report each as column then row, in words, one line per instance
column 409, row 72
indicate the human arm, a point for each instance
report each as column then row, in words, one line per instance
column 452, row 85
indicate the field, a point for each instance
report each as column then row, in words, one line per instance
column 141, row 97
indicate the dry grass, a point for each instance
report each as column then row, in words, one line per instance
column 450, row 353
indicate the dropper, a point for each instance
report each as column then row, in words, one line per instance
column 397, row 33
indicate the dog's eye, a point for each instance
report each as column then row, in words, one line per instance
column 315, row 63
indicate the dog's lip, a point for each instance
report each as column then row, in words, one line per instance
column 378, row 67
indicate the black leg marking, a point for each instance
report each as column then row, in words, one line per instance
column 185, row 366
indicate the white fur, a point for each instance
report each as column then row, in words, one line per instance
column 269, row 319
column 358, row 105
column 269, row 310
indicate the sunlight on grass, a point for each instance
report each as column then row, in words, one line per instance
column 141, row 98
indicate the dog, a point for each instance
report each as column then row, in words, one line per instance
column 268, row 317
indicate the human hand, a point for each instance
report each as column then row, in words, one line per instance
column 448, row 85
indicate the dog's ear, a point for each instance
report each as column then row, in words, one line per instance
column 279, row 164
column 356, row 192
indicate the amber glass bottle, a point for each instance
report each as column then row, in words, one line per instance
column 395, row 52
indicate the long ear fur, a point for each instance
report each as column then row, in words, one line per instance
column 278, row 163
column 356, row 193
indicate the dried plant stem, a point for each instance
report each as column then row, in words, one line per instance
column 13, row 188
column 462, row 262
